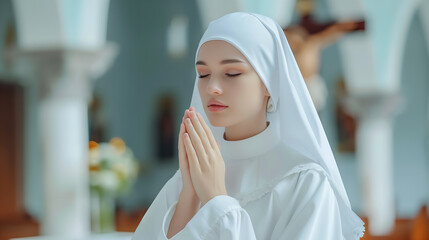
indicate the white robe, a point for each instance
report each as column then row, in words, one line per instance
column 273, row 193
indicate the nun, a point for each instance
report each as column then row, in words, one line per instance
column 254, row 159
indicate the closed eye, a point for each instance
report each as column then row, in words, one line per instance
column 229, row 75
column 203, row 76
column 233, row 75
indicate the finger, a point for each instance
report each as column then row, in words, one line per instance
column 183, row 158
column 182, row 152
column 200, row 131
column 184, row 117
column 182, row 149
column 196, row 141
column 187, row 115
column 192, row 155
column 182, row 131
column 188, row 111
column 180, row 139
column 209, row 133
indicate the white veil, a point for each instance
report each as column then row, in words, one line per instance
column 262, row 41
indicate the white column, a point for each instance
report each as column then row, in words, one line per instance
column 66, row 44
column 64, row 137
column 374, row 140
column 64, row 79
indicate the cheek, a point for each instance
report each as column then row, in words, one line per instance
column 201, row 87
column 201, row 91
column 249, row 97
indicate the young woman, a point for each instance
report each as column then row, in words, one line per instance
column 254, row 159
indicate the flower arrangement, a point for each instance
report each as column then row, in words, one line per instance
column 112, row 171
column 112, row 166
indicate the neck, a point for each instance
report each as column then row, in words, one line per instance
column 245, row 130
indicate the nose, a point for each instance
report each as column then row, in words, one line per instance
column 214, row 87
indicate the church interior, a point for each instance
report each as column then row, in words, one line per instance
column 92, row 94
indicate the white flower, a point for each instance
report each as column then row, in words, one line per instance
column 106, row 180
column 112, row 166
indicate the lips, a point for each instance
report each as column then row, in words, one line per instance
column 215, row 103
column 216, row 108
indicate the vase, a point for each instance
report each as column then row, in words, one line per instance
column 102, row 211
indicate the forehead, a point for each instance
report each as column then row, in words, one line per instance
column 217, row 50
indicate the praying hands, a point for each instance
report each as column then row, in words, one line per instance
column 202, row 169
column 206, row 165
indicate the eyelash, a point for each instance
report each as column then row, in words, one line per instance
column 229, row 75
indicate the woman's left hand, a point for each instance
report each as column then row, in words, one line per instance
column 206, row 164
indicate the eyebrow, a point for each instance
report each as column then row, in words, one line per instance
column 226, row 61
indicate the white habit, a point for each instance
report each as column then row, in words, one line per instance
column 282, row 183
column 266, row 201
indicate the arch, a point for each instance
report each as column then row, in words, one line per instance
column 399, row 39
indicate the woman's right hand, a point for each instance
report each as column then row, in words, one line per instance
column 188, row 188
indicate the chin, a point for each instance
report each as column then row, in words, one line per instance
column 216, row 121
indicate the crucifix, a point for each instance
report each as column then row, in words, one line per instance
column 308, row 38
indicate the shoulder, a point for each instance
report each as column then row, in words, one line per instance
column 302, row 183
column 310, row 184
column 307, row 173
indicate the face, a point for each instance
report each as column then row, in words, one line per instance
column 225, row 75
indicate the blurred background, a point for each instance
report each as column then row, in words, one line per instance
column 92, row 94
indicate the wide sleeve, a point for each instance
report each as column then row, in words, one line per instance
column 314, row 211
column 221, row 217
column 152, row 224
